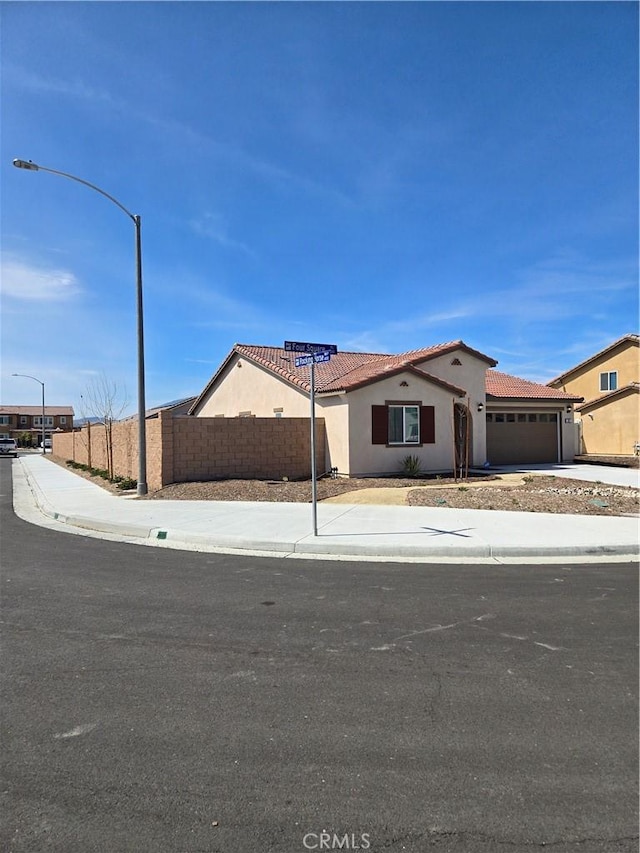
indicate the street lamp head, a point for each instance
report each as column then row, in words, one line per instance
column 26, row 164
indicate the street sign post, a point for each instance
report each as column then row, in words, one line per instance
column 312, row 354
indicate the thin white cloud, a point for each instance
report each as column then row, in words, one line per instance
column 212, row 226
column 70, row 88
column 26, row 281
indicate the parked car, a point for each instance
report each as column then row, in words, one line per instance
column 8, row 447
column 48, row 443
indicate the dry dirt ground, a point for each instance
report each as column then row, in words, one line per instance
column 536, row 493
column 531, row 493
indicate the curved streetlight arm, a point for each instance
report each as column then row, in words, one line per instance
column 26, row 376
column 35, row 167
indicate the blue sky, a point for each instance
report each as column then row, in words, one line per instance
column 382, row 176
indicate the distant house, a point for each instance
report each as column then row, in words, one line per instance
column 432, row 403
column 609, row 382
column 175, row 408
column 24, row 423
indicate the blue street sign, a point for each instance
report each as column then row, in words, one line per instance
column 303, row 346
column 312, row 358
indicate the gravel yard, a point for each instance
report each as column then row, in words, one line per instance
column 536, row 494
column 531, row 493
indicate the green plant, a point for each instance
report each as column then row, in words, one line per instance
column 126, row 483
column 411, row 466
column 463, row 488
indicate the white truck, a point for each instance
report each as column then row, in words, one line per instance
column 8, row 447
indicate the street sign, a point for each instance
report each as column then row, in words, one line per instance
column 312, row 354
column 303, row 346
column 313, row 358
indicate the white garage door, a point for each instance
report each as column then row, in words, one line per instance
column 516, row 438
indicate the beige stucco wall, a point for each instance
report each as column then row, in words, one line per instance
column 470, row 375
column 334, row 410
column 247, row 387
column 586, row 381
column 611, row 427
column 369, row 459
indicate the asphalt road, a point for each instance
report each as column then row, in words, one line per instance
column 174, row 702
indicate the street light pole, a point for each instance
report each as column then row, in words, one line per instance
column 26, row 376
column 142, row 437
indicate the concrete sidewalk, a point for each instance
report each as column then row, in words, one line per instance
column 45, row 493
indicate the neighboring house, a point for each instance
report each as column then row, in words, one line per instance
column 380, row 408
column 18, row 421
column 609, row 383
column 175, row 407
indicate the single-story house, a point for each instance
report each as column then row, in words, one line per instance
column 609, row 383
column 437, row 403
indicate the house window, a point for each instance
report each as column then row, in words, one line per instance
column 63, row 419
column 5, row 420
column 23, row 420
column 402, row 423
column 48, row 421
column 609, row 381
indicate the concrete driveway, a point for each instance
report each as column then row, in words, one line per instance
column 609, row 474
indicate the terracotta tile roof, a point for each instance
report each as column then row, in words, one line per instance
column 632, row 339
column 503, row 385
column 350, row 370
column 605, row 398
column 347, row 371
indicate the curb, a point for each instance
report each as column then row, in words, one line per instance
column 310, row 547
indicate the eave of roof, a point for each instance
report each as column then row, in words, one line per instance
column 632, row 339
column 36, row 410
column 503, row 386
column 610, row 395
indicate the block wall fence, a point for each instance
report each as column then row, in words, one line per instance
column 184, row 448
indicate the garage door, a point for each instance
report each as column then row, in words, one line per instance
column 516, row 438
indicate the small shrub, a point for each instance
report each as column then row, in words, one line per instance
column 463, row 488
column 126, row 483
column 99, row 472
column 411, row 466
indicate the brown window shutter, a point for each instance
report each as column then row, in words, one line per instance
column 427, row 425
column 379, row 424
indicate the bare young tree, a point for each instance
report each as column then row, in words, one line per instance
column 106, row 402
